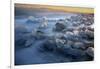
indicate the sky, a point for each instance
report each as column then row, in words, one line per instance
column 77, row 3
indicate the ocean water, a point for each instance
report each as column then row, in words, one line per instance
column 34, row 54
